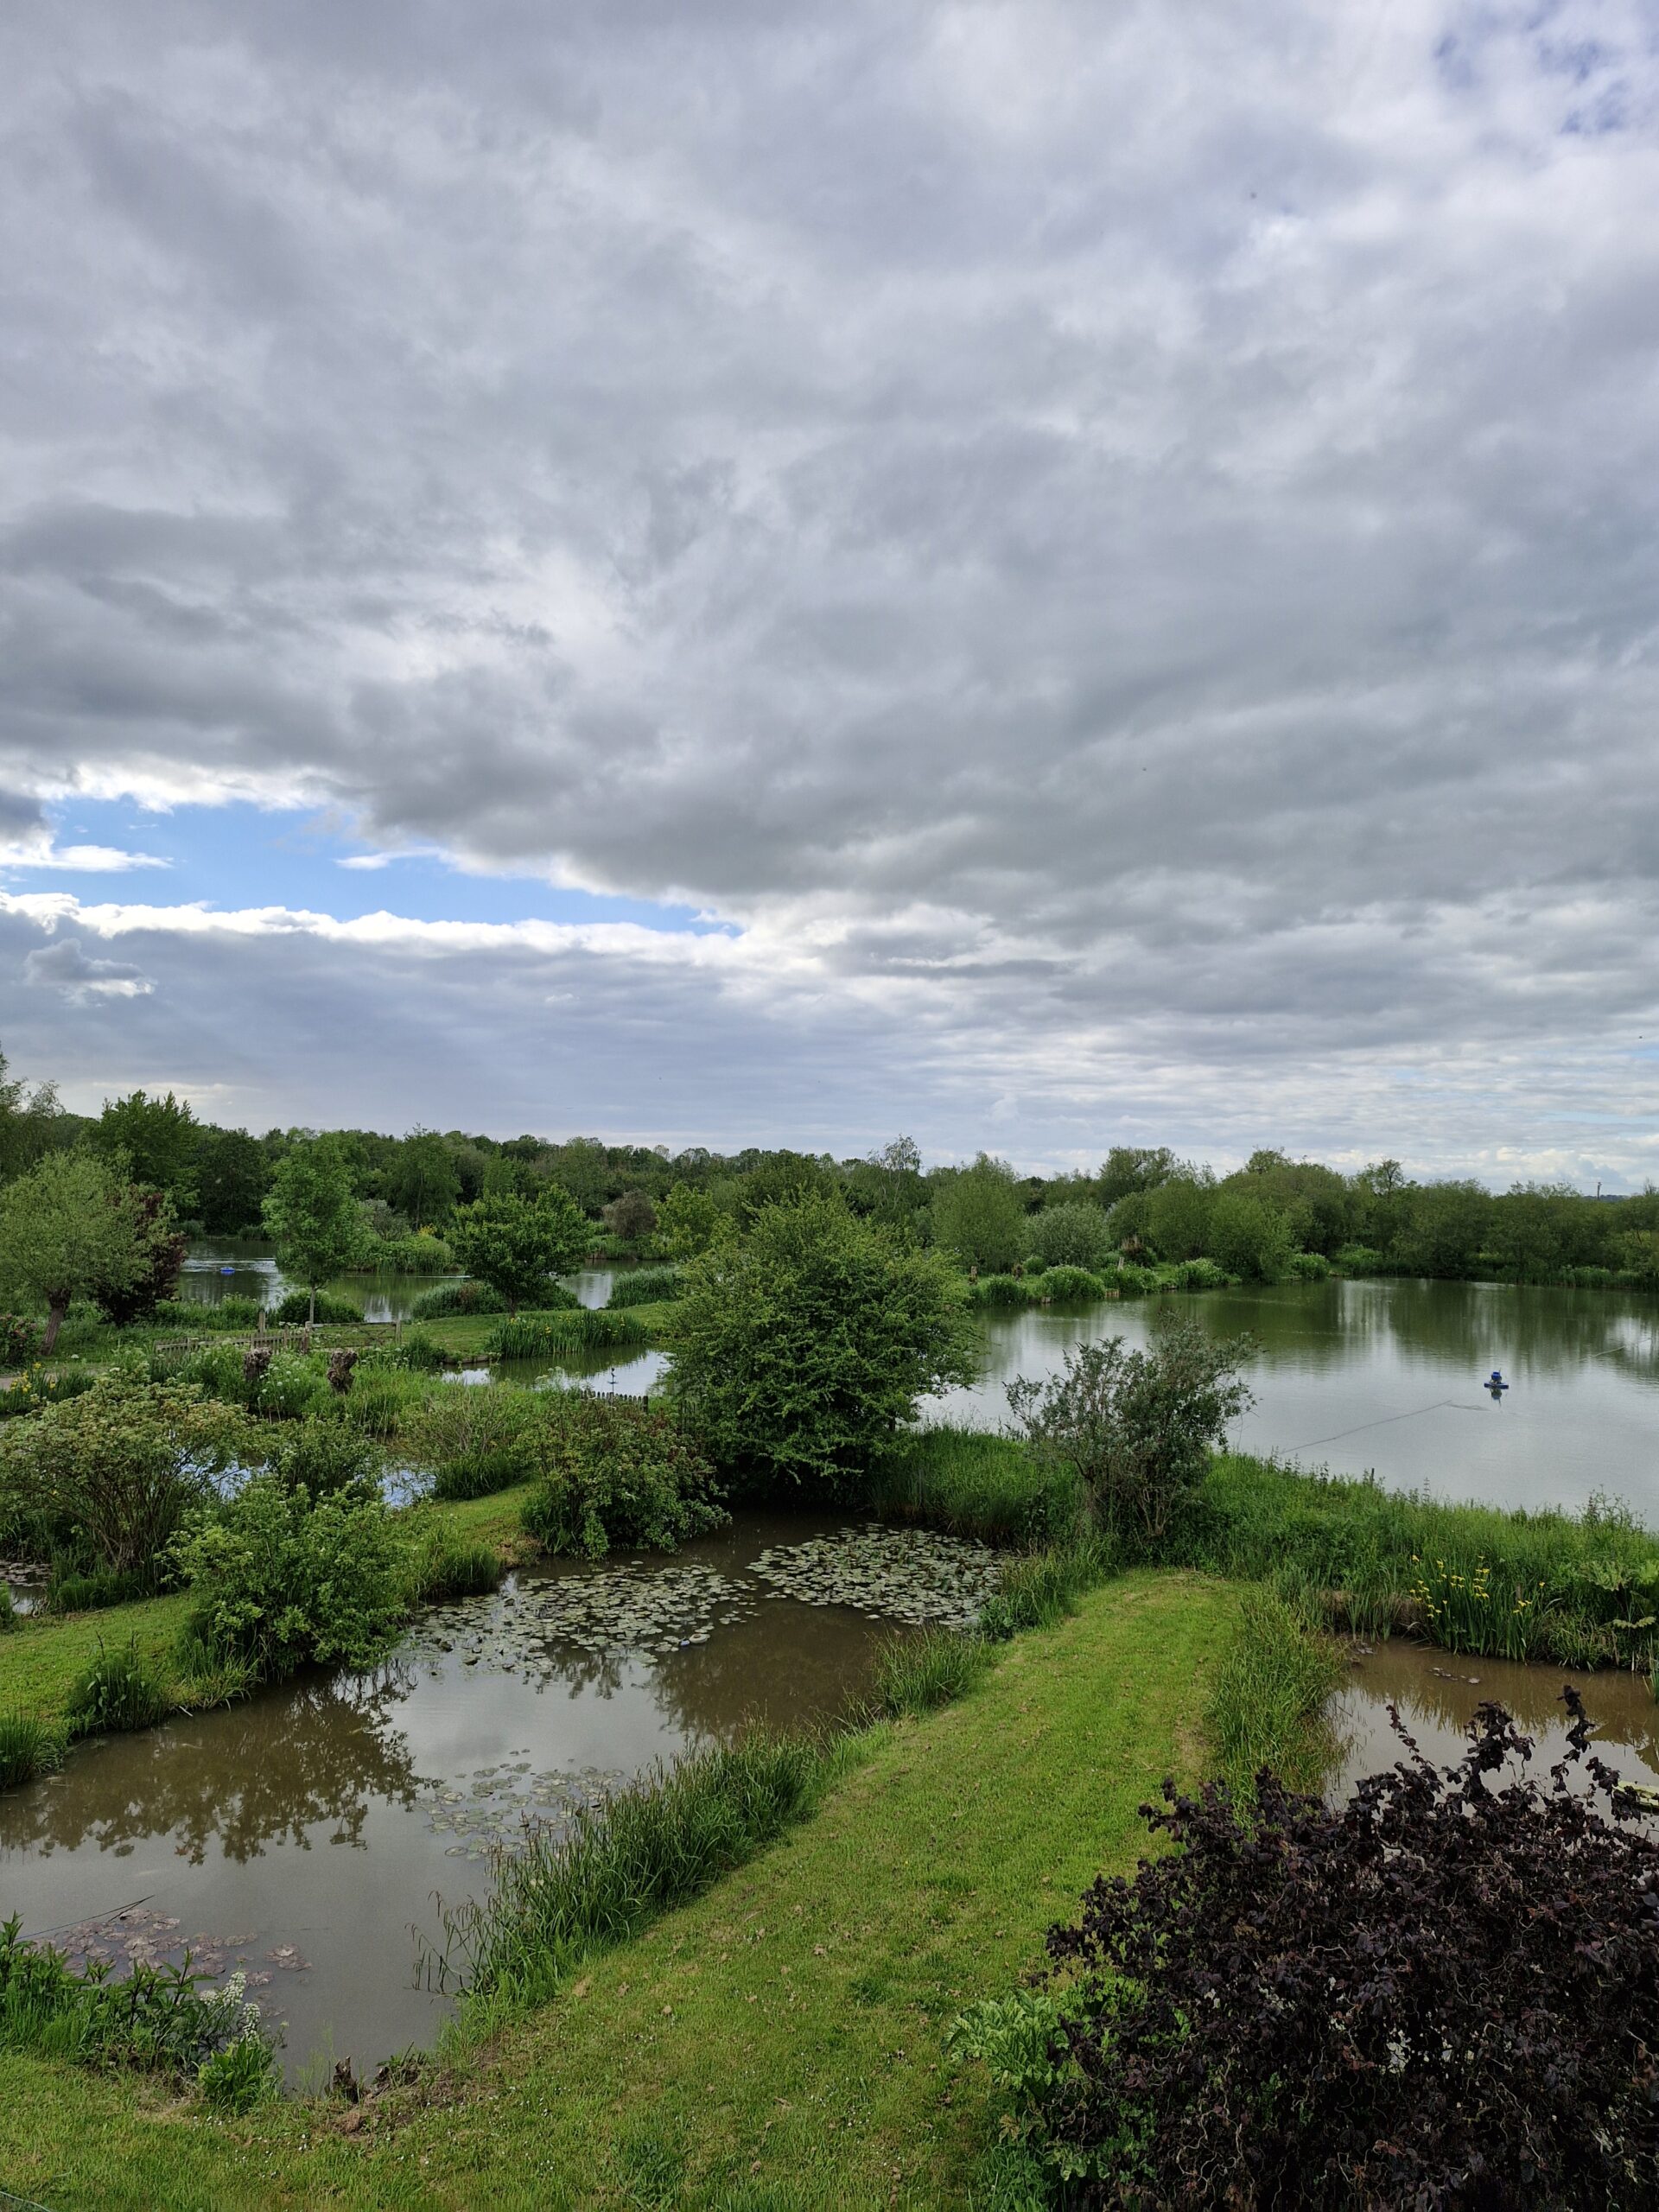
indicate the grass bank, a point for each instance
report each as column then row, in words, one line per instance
column 775, row 2046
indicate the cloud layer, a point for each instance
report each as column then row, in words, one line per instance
column 1116, row 548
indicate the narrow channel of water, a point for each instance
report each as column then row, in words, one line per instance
column 309, row 1834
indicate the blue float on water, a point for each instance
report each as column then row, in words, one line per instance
column 227, row 1271
column 1495, row 1382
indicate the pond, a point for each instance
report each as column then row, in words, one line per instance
column 247, row 1267
column 311, row 1833
column 1386, row 1376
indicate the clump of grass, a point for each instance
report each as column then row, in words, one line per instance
column 480, row 1474
column 651, row 1847
column 209, row 1677
column 1268, row 1695
column 116, row 1691
column 529, row 1336
column 28, row 1748
column 1043, row 1588
column 451, row 1568
column 915, row 1674
column 1004, row 1290
column 970, row 1483
column 645, row 1287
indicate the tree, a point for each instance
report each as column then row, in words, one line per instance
column 29, row 1122
column 1072, row 1235
column 232, row 1175
column 1178, row 1216
column 311, row 1211
column 158, row 1138
column 1249, row 1236
column 515, row 1244
column 691, row 1221
column 978, row 1215
column 631, row 1217
column 1136, row 1429
column 71, row 1223
column 422, row 1181
column 1131, row 1167
column 802, row 1348
column 158, row 1255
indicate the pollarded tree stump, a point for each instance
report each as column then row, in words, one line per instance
column 340, row 1365
column 254, row 1360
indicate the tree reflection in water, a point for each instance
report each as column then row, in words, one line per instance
column 317, row 1750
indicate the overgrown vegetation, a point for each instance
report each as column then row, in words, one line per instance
column 612, row 1473
column 534, row 1335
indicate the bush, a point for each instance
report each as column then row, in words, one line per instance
column 279, row 1579
column 234, row 1313
column 19, row 1339
column 325, row 1456
column 1307, row 1266
column 295, row 1308
column 1072, row 1235
column 478, row 1438
column 1438, row 1993
column 121, row 1464
column 446, row 1566
column 803, row 1349
column 28, row 1748
column 1362, row 1260
column 116, row 1691
column 620, row 1474
column 468, row 1297
column 73, row 1592
column 1005, row 1290
column 1132, row 1280
column 407, row 1255
column 1033, row 1264
column 535, row 1336
column 1071, row 1284
column 1199, row 1275
column 1137, row 1427
column 518, row 1244
column 291, row 1387
column 645, row 1287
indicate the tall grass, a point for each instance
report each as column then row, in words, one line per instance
column 1576, row 1590
column 916, row 1673
column 645, row 1287
column 1042, row 1588
column 1267, row 1696
column 117, row 1690
column 529, row 1336
column 971, row 1483
column 649, row 1847
column 28, row 1748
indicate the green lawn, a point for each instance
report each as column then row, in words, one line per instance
column 777, row 2045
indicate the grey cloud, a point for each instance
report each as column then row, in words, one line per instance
column 1167, row 496
column 67, row 968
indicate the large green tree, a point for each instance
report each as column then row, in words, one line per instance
column 158, row 1139
column 71, row 1223
column 803, row 1347
column 312, row 1213
column 422, row 1182
column 516, row 1244
column 31, row 1122
column 979, row 1215
column 232, row 1175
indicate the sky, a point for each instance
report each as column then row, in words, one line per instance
column 1040, row 575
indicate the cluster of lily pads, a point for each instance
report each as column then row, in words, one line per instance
column 501, row 1803
column 902, row 1574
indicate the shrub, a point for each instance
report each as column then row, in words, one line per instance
column 1362, row 1260
column 477, row 1439
column 1250, row 1236
column 469, row 1297
column 422, row 1255
column 1004, row 1290
column 1033, row 1264
column 1072, row 1235
column 291, row 1387
column 620, row 1474
column 645, row 1287
column 801, row 1349
column 19, row 1339
column 979, row 1215
column 73, row 1592
column 1440, row 1994
column 632, row 1217
column 121, row 1464
column 1074, row 1285
column 28, row 1748
column 1137, row 1427
column 534, row 1335
column 117, row 1690
column 296, row 1307
column 1132, row 1279
column 1307, row 1266
column 1199, row 1275
column 279, row 1579
column 325, row 1456
column 234, row 1312
column 516, row 1244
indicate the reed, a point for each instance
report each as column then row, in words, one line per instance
column 28, row 1748
column 1268, row 1695
column 916, row 1673
column 973, row 1482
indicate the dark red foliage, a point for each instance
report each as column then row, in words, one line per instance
column 1444, row 1994
column 160, row 1255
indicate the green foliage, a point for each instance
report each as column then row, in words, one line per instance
column 516, row 1244
column 469, row 1297
column 613, row 1473
column 1133, row 1170
column 1250, row 1237
column 477, row 1440
column 118, row 1691
column 916, row 1673
column 1004, row 1291
column 1137, row 1427
column 325, row 1306
column 323, row 1456
column 293, row 1386
column 630, row 1218
column 801, row 1349
column 150, row 1273
column 1043, row 1587
column 1072, row 1235
column 311, row 1211
column 645, row 1287
column 1307, row 1266
column 152, row 2019
column 73, row 1592
column 1267, row 1695
column 645, row 1851
column 279, row 1579
column 690, row 1222
column 1130, row 1280
column 447, row 1566
column 979, row 1215
column 424, row 1255
column 1199, row 1275
column 71, row 1223
column 973, row 1484
column 1177, row 1215
column 28, row 1748
column 232, row 1175
column 1061, row 1284
column 531, row 1336
column 232, row 1315
column 422, row 1181
column 241, row 2077
column 152, row 1141
column 19, row 1339
column 122, row 1463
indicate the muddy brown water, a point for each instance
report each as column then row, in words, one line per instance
column 309, row 1834
column 1437, row 1692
